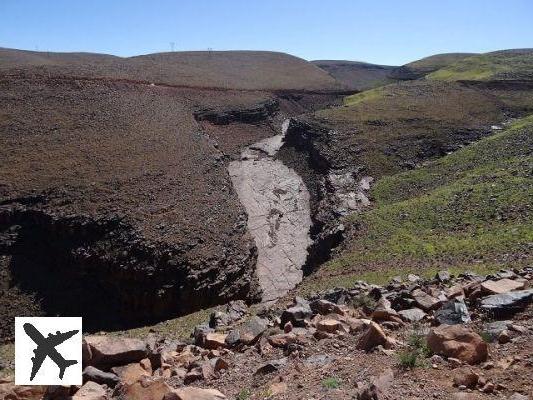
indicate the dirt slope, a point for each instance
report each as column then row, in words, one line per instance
column 220, row 69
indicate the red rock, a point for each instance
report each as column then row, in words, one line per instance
column 458, row 342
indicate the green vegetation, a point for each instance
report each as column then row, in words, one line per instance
column 180, row 327
column 331, row 383
column 364, row 300
column 7, row 354
column 467, row 211
column 498, row 65
column 417, row 350
column 244, row 394
column 366, row 96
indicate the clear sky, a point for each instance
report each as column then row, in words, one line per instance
column 379, row 31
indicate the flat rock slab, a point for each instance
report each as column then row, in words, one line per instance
column 277, row 203
column 502, row 286
column 507, row 303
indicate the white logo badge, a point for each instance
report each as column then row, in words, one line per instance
column 48, row 350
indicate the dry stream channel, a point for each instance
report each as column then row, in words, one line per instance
column 277, row 203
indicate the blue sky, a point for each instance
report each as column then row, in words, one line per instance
column 387, row 31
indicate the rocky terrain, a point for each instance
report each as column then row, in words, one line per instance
column 270, row 233
column 449, row 337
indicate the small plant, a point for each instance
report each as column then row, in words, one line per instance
column 331, row 383
column 364, row 301
column 244, row 394
column 486, row 336
column 417, row 351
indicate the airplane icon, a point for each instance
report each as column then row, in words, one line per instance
column 46, row 347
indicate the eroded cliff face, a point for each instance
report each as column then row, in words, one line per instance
column 277, row 203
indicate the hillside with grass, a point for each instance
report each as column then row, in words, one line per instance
column 470, row 210
column 499, row 65
column 420, row 68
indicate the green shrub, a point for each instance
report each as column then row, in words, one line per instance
column 416, row 352
column 244, row 394
column 331, row 383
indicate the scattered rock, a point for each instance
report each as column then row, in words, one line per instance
column 384, row 312
column 325, row 307
column 90, row 391
column 233, row 338
column 252, row 330
column 297, row 314
column 328, row 325
column 130, row 373
column 93, row 374
column 495, row 328
column 109, row 351
column 145, row 389
column 412, row 314
column 443, row 276
column 379, row 387
column 518, row 396
column 424, row 300
column 459, row 342
column 467, row 378
column 507, row 303
column 373, row 337
column 192, row 393
column 215, row 340
column 453, row 312
column 282, row 339
column 271, row 366
column 501, row 286
column 287, row 327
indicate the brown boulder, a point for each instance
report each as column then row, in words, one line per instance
column 10, row 391
column 145, row 389
column 458, row 342
column 109, row 351
column 130, row 373
column 282, row 339
column 90, row 391
column 215, row 341
column 372, row 337
column 328, row 325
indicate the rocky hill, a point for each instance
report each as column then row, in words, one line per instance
column 356, row 75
